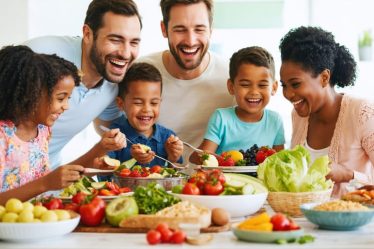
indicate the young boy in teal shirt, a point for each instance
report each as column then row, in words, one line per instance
column 252, row 82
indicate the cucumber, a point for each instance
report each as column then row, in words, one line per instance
column 127, row 164
column 248, row 189
column 257, row 184
column 98, row 185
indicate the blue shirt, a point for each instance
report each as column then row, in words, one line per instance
column 230, row 133
column 85, row 104
column 156, row 141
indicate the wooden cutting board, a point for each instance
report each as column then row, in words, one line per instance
column 105, row 228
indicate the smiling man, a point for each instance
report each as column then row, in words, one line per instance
column 194, row 79
column 110, row 43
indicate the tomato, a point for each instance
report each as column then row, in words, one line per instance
column 190, row 189
column 124, row 190
column 144, row 174
column 113, row 187
column 156, row 169
column 280, row 222
column 178, row 237
column 165, row 232
column 125, row 172
column 153, row 237
column 217, row 174
column 213, row 188
column 79, row 198
column 135, row 173
column 72, row 206
column 293, row 225
column 54, row 203
column 93, row 213
column 199, row 178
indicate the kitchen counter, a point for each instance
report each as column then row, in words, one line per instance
column 361, row 238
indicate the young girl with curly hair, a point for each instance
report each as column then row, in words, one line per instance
column 325, row 121
column 34, row 92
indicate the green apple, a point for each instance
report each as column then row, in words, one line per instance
column 119, row 209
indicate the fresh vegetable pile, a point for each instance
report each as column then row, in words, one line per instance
column 292, row 171
column 153, row 198
column 155, row 171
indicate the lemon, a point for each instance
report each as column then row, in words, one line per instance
column 235, row 155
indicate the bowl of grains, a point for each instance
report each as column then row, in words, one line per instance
column 338, row 214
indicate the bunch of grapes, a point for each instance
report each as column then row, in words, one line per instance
column 250, row 155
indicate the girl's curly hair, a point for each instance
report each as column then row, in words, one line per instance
column 24, row 76
column 316, row 50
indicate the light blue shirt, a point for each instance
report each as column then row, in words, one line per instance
column 230, row 133
column 85, row 104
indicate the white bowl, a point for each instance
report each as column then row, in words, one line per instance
column 36, row 231
column 236, row 205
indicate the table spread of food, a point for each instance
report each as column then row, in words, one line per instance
column 288, row 202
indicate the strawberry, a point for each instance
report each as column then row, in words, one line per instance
column 225, row 160
column 260, row 156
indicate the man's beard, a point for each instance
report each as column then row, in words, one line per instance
column 100, row 66
column 180, row 61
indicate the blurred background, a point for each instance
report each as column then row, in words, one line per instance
column 237, row 24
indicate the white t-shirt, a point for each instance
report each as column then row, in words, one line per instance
column 314, row 154
column 84, row 105
column 187, row 104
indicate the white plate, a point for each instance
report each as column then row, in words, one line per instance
column 36, row 231
column 234, row 169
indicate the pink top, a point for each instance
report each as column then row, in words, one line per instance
column 20, row 161
column 352, row 144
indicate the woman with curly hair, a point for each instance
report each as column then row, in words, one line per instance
column 325, row 121
column 34, row 92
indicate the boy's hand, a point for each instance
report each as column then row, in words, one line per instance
column 140, row 155
column 63, row 176
column 113, row 140
column 174, row 148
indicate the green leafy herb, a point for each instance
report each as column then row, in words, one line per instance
column 153, row 198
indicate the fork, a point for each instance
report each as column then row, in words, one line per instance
column 131, row 142
column 199, row 150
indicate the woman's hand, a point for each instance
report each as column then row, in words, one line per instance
column 174, row 148
column 113, row 140
column 339, row 173
column 63, row 176
column 140, row 155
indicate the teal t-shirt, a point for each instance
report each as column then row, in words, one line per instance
column 230, row 133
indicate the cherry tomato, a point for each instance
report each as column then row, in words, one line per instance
column 213, row 188
column 144, row 174
column 79, row 198
column 293, row 226
column 153, row 237
column 72, row 206
column 165, row 232
column 280, row 222
column 135, row 173
column 125, row 172
column 199, row 178
column 106, row 192
column 190, row 189
column 93, row 213
column 217, row 174
column 54, row 203
column 178, row 237
column 156, row 169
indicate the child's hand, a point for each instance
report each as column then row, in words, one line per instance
column 63, row 176
column 113, row 140
column 174, row 148
column 140, row 155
